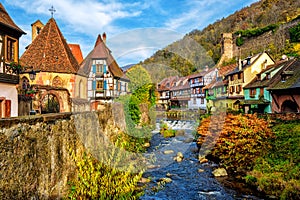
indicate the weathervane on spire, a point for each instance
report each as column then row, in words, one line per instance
column 52, row 10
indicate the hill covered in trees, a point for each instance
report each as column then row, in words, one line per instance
column 266, row 25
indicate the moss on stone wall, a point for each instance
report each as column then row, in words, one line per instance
column 35, row 157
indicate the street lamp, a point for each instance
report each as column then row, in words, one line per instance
column 32, row 75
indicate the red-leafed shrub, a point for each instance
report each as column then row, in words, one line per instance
column 239, row 139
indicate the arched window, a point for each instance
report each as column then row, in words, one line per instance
column 80, row 89
column 57, row 82
column 25, row 83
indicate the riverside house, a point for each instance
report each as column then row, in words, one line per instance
column 180, row 93
column 10, row 34
column 217, row 91
column 257, row 98
column 242, row 75
column 106, row 80
column 197, row 82
column 285, row 88
column 163, row 89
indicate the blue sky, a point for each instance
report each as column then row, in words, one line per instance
column 135, row 29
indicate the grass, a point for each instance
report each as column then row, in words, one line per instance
column 277, row 173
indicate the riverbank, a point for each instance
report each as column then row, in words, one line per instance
column 264, row 154
column 186, row 178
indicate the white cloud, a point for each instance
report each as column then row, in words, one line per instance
column 140, row 43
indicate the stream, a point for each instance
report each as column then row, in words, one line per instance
column 185, row 178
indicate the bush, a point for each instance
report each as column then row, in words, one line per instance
column 166, row 131
column 241, row 139
column 104, row 179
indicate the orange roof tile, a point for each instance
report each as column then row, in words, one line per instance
column 76, row 50
column 49, row 52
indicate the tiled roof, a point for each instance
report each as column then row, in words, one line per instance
column 163, row 85
column 222, row 71
column 7, row 21
column 181, row 84
column 226, row 69
column 49, row 52
column 202, row 73
column 293, row 68
column 75, row 48
column 101, row 51
column 256, row 83
column 253, row 59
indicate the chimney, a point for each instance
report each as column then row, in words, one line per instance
column 240, row 63
column 206, row 68
column 104, row 37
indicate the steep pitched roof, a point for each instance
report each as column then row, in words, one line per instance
column 7, row 21
column 167, row 83
column 49, row 52
column 181, row 84
column 258, row 83
column 101, row 51
column 292, row 69
column 76, row 50
column 219, row 81
column 202, row 73
column 245, row 63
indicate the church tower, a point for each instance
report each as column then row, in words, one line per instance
column 36, row 28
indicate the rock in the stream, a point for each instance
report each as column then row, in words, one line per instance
column 147, row 145
column 200, row 170
column 168, row 151
column 165, row 180
column 179, row 157
column 219, row 172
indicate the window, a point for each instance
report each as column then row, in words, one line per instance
column 261, row 92
column 231, row 89
column 11, row 49
column 238, row 88
column 252, row 92
column 99, row 85
column 99, row 68
column 240, row 75
column 25, row 83
column 202, row 100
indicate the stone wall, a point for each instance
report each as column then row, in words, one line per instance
column 35, row 159
column 262, row 43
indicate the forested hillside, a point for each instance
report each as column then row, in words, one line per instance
column 271, row 20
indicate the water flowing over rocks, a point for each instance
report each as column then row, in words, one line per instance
column 186, row 179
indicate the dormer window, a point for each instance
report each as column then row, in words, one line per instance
column 268, row 76
column 248, row 61
column 285, row 75
column 258, row 76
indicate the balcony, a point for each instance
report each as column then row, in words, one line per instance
column 196, row 84
column 197, row 95
column 9, row 78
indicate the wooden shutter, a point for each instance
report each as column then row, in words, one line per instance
column 7, row 108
